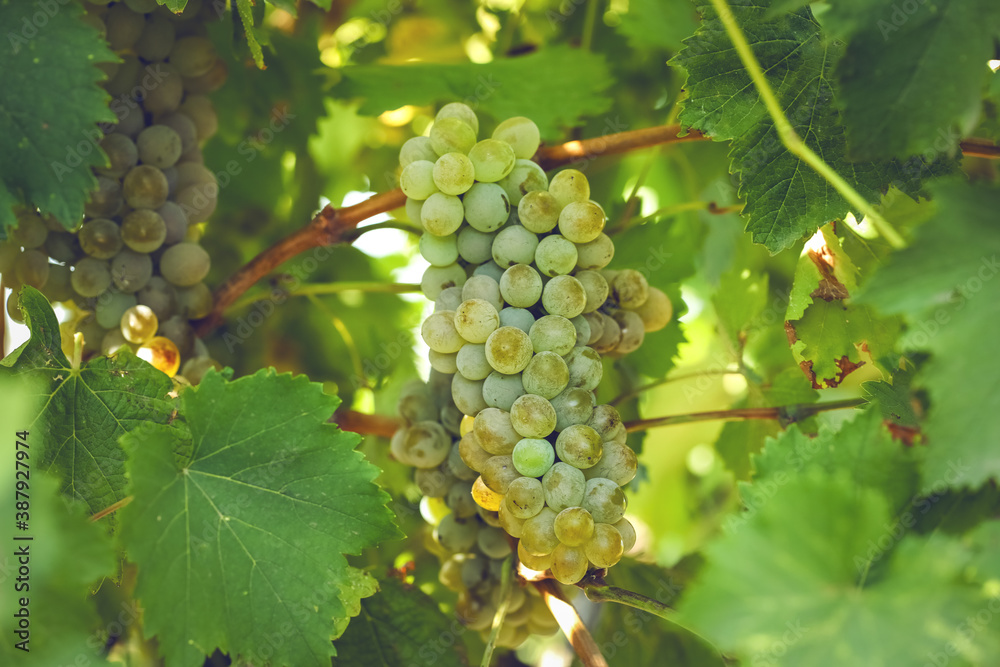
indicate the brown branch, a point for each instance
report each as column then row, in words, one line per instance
column 572, row 626
column 980, row 148
column 359, row 422
column 111, row 508
column 786, row 414
column 554, row 156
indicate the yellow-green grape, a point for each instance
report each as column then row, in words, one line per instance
column 521, row 286
column 471, row 362
column 521, row 133
column 185, row 264
column 486, row 207
column 618, row 463
column 596, row 288
column 508, row 350
column 195, row 369
column 564, row 486
column 510, row 523
column 462, row 112
column 452, row 135
column 161, row 353
column 31, row 231
column 605, row 547
column 532, row 561
column 475, row 321
column 656, row 311
column 581, row 221
column 425, row 444
column 568, row 186
column 456, row 535
column 627, row 531
column 417, row 179
column 111, row 306
column 139, row 324
column 201, row 112
column 485, row 288
column 467, row 394
column 439, row 250
column 573, row 406
column 454, row 173
column 525, row 177
column 569, row 564
column 533, row 456
column 90, row 277
column 494, row 432
column 554, row 333
column 525, row 497
column 156, row 39
column 574, row 526
column 113, row 342
column 498, row 473
column 145, row 186
column 611, row 335
column 538, row 535
column 492, row 159
column 14, row 308
column 441, row 214
column 632, row 328
column 475, row 246
column 440, row 334
column 416, row 148
column 539, row 211
column 193, row 56
column 32, row 268
column 629, row 288
column 100, row 238
column 545, row 375
column 493, row 542
column 585, row 368
column 143, row 230
column 533, row 416
column 106, row 199
column 58, row 286
column 579, row 445
column 473, row 454
column 605, row 500
column 159, row 146
column 486, row 497
column 194, row 302
column 436, row 279
column 596, row 254
column 514, row 245
column 556, row 255
column 517, row 317
column 564, row 296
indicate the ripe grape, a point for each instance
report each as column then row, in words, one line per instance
column 470, row 362
column 440, row 334
column 573, row 406
column 416, row 148
column 452, row 135
column 110, row 307
column 185, row 264
column 569, row 564
column 521, row 286
column 585, row 368
column 436, row 279
column 538, row 535
column 604, row 500
column 568, row 186
column 525, row 177
column 596, row 254
column 159, row 146
column 161, row 353
column 441, row 214
column 475, row 321
column 605, row 547
column 525, row 497
column 564, row 296
column 533, row 456
column 492, row 159
column 494, row 432
column 145, row 186
column 139, row 324
column 475, row 246
column 486, row 206
column 532, row 416
column 439, row 250
column 122, row 155
column 143, row 230
column 618, row 463
column 454, row 173
column 556, row 256
column 553, row 333
column 574, row 526
column 521, row 133
column 539, row 211
column 655, row 311
column 514, row 245
column 90, row 277
column 485, row 288
column 500, row 391
column 192, row 56
column 100, row 238
column 629, row 288
column 517, row 317
column 508, row 350
column 498, row 473
column 545, row 375
column 417, row 180
column 32, row 268
column 462, row 112
column 579, row 445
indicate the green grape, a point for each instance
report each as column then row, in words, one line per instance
column 193, row 56
column 525, row 177
column 58, row 286
column 629, row 288
column 14, row 308
column 185, row 129
column 454, row 173
column 195, row 302
column 564, row 486
column 596, row 288
column 452, row 135
column 581, row 221
column 122, row 83
column 596, row 254
column 442, row 362
column 555, row 256
column 441, row 214
column 611, row 335
column 517, row 317
column 633, row 331
column 582, row 327
column 123, row 27
column 426, row 444
column 476, row 320
column 210, row 81
column 417, row 179
column 175, row 221
column 485, row 288
column 531, row 561
column 574, row 526
column 521, row 286
column 508, row 522
column 627, row 531
column 193, row 173
column 606, row 546
column 573, row 406
column 585, row 369
column 471, row 362
column 508, row 350
column 434, row 483
column 110, row 307
column 552, row 333
column 514, row 245
column 467, row 394
column 475, row 246
column 414, row 207
column 122, row 155
column 198, row 201
column 139, row 324
column 32, row 268
column 439, row 250
column 100, row 238
column 201, row 112
column 618, row 464
column 532, row 416
column 178, row 330
column 604, row 500
column 416, row 148
column 568, row 186
column 185, row 264
column 579, row 445
column 160, row 296
column 486, row 206
column 492, row 160
column 538, row 535
column 439, row 333
column 472, row 453
column 156, row 39
column 90, row 277
column 493, row 543
column 656, row 311
column 525, row 497
column 498, row 473
column 545, row 375
column 455, row 464
column 490, row 269
column 159, row 146
column 106, row 200
column 450, row 298
column 436, row 279
column 462, row 112
column 494, row 432
column 456, row 535
column 521, row 133
column 539, row 211
column 113, row 342
column 500, row 391
column 9, row 251
column 145, row 186
column 607, row 422
column 143, row 230
column 166, row 95
column 416, row 403
column 564, row 296
column 533, row 456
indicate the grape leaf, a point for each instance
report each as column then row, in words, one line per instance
column 50, row 109
column 85, row 411
column 786, row 587
column 785, row 198
column 893, row 399
column 503, row 88
column 985, row 540
column 248, row 531
column 400, row 626
column 946, row 285
column 740, row 299
column 66, row 553
column 658, row 23
column 909, row 104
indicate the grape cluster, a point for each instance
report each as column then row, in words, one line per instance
column 468, row 538
column 132, row 266
column 524, row 307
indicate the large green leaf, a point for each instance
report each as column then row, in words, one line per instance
column 240, row 540
column 50, row 105
column 659, row 24
column 946, row 284
column 84, row 411
column 786, row 199
column 571, row 88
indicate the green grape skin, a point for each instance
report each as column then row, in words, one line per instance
column 175, row 221
column 533, row 456
column 475, row 246
column 525, row 177
column 531, row 561
column 579, row 445
column 455, row 463
column 492, row 159
column 574, row 526
column 201, row 112
column 462, row 112
column 618, row 463
column 452, row 135
column 508, row 350
column 490, row 269
column 433, row 483
column 545, row 375
column 468, row 394
column 417, row 179
column 508, row 522
column 632, row 328
column 439, row 333
column 194, row 302
column 484, row 288
column 607, row 422
column 160, row 296
column 90, row 277
column 472, row 453
column 110, row 307
column 595, row 287
column 514, row 245
column 143, row 230
column 573, row 406
column 521, row 133
column 525, row 497
column 564, row 296
column 656, row 311
column 581, row 221
column 58, row 286
column 425, row 444
column 193, row 56
column 139, row 324
column 627, row 531
column 167, row 94
column 441, row 214
column 454, row 173
column 555, row 256
column 585, row 368
column 456, row 535
column 596, row 254
column 552, row 333
column 568, row 186
column 156, row 39
column 538, row 211
column 533, row 416
column 521, row 286
column 123, row 27
column 517, row 317
column 498, row 473
column 611, row 335
column 438, row 250
column 629, row 288
column 538, row 535
column 436, row 279
column 569, row 564
column 100, row 238
column 185, row 264
column 32, row 268
column 450, row 298
column 159, row 146
column 606, row 546
column 145, row 186
column 471, row 362
column 494, row 432
column 492, row 542
column 106, row 199
column 475, row 321
column 604, row 499
column 486, row 207
column 500, row 391
column 416, row 148
column 122, row 155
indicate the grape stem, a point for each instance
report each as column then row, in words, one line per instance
column 786, row 414
column 313, row 289
column 114, row 507
column 506, row 579
column 365, row 424
column 572, row 626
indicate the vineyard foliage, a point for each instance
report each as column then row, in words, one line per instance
column 837, row 506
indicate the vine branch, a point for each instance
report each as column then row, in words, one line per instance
column 786, row 414
column 365, row 424
column 572, row 626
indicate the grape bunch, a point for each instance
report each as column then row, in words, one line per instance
column 524, row 307
column 468, row 538
column 132, row 267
